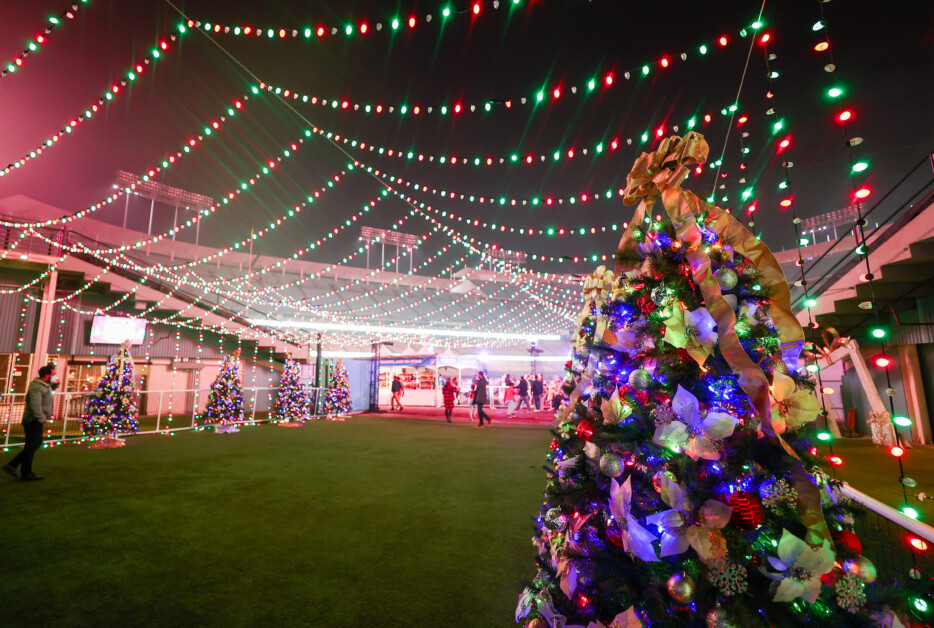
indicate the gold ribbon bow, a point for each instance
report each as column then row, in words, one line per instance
column 657, row 176
column 665, row 167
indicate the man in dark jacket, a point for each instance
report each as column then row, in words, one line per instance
column 38, row 411
column 522, row 394
column 538, row 391
column 397, row 391
column 480, row 398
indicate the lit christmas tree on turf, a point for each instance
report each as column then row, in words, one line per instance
column 225, row 403
column 337, row 400
column 111, row 408
column 292, row 402
column 683, row 487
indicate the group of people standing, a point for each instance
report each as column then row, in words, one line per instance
column 517, row 393
column 528, row 390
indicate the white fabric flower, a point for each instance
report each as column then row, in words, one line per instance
column 636, row 539
column 683, row 526
column 693, row 434
column 692, row 330
column 800, row 568
column 791, row 407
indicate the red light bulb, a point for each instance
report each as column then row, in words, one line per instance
column 897, row 451
column 723, row 40
column 882, row 361
column 845, row 115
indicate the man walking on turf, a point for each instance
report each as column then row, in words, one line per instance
column 480, row 398
column 522, row 394
column 397, row 392
column 38, row 411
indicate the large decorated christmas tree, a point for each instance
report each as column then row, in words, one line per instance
column 225, row 402
column 292, row 402
column 111, row 409
column 337, row 400
column 683, row 488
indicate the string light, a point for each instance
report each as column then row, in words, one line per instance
column 113, row 91
column 167, row 161
column 531, row 100
column 34, row 45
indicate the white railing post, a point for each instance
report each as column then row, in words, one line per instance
column 159, row 412
column 65, row 420
column 9, row 421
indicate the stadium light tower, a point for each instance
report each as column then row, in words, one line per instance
column 386, row 236
column 163, row 194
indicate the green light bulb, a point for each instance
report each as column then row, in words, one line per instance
column 908, row 511
column 878, row 332
column 859, row 166
column 703, row 50
column 824, row 436
column 902, row 421
column 645, row 70
column 834, row 92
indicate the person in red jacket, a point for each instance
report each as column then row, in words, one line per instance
column 449, row 392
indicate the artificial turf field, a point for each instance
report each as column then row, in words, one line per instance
column 369, row 522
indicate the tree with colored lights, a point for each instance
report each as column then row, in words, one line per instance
column 111, row 409
column 337, row 399
column 683, row 486
column 225, row 402
column 292, row 401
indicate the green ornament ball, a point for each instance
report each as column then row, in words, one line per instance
column 640, row 379
column 862, row 568
column 661, row 296
column 726, row 277
column 611, row 465
column 681, row 588
column 555, row 519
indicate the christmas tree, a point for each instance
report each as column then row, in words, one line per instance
column 111, row 408
column 225, row 403
column 337, row 399
column 683, row 488
column 292, row 402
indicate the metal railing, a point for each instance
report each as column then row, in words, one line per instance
column 887, row 535
column 160, row 411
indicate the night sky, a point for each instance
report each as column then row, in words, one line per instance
column 884, row 56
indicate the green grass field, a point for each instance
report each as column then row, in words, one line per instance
column 370, row 522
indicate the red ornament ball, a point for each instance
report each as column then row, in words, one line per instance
column 585, row 429
column 847, row 543
column 748, row 513
column 555, row 444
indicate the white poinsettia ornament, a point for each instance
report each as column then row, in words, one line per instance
column 792, row 407
column 694, row 434
column 799, row 568
column 692, row 330
column 685, row 526
column 636, row 539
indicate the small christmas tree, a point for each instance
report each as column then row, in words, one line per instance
column 225, row 403
column 291, row 407
column 684, row 488
column 112, row 408
column 337, row 400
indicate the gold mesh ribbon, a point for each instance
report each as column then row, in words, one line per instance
column 658, row 176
